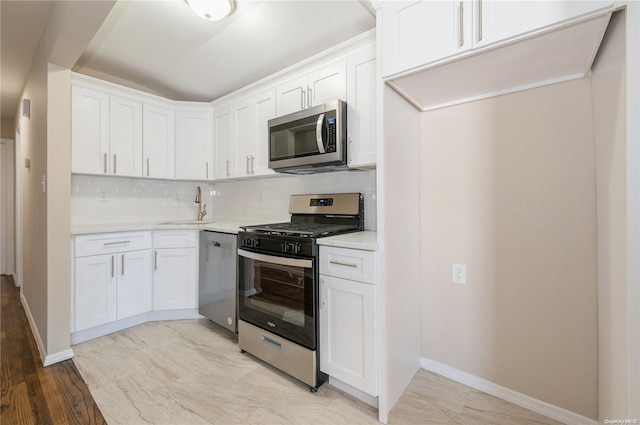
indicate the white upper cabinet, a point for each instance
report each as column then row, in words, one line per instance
column 418, row 33
column 158, row 141
column 125, row 136
column 194, row 141
column 250, row 134
column 222, row 140
column 501, row 20
column 361, row 104
column 89, row 131
column 317, row 87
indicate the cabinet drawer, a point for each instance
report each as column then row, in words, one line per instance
column 109, row 243
column 175, row 239
column 346, row 263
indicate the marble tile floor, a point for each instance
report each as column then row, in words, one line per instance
column 191, row 372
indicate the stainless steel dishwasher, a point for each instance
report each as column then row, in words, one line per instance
column 218, row 278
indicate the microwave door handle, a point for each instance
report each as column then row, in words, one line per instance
column 319, row 140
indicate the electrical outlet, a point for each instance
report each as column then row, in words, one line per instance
column 459, row 273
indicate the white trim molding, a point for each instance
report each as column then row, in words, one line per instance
column 58, row 357
column 554, row 412
column 34, row 329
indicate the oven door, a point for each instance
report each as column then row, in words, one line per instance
column 278, row 294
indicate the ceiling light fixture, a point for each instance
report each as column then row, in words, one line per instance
column 211, row 10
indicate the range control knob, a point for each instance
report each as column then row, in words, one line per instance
column 291, row 247
column 251, row 242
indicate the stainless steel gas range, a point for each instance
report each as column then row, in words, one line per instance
column 278, row 282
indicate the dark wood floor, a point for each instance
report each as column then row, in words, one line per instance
column 32, row 394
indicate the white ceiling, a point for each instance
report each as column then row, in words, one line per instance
column 162, row 47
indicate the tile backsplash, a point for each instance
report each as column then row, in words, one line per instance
column 108, row 199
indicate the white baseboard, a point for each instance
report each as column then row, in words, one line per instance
column 151, row 316
column 58, row 357
column 354, row 392
column 34, row 329
column 554, row 412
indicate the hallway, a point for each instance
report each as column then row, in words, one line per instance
column 32, row 394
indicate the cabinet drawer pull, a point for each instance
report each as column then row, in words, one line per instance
column 321, row 293
column 116, row 243
column 113, row 261
column 309, row 97
column 155, row 260
column 340, row 263
column 228, row 162
column 105, row 163
column 269, row 341
column 114, row 164
column 207, row 167
column 248, row 161
column 147, row 167
column 301, row 99
column 122, row 264
column 253, row 171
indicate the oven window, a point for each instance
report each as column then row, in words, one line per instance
column 279, row 298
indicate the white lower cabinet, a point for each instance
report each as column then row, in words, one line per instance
column 112, row 285
column 348, row 349
column 174, row 277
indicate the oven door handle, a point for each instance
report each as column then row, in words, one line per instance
column 284, row 261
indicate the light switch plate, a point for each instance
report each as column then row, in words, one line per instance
column 459, row 273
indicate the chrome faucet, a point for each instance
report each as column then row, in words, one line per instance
column 201, row 211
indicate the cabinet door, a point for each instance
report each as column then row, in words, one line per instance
column 347, row 332
column 95, row 291
column 361, row 104
column 159, row 141
column 242, row 134
column 416, row 33
column 125, row 136
column 89, row 131
column 501, row 20
column 265, row 109
column 194, row 141
column 327, row 83
column 222, row 126
column 134, row 283
column 292, row 95
column 174, row 279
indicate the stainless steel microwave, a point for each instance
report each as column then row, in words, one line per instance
column 309, row 141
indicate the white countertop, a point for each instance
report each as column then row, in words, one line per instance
column 366, row 241
column 224, row 226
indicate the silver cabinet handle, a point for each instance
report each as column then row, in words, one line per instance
column 113, row 260
column 116, row 243
column 253, row 171
column 147, row 167
column 301, row 99
column 319, row 140
column 461, row 23
column 340, row 263
column 122, row 264
column 155, row 260
column 105, row 163
column 207, row 169
column 114, row 164
column 309, row 97
column 228, row 162
column 479, row 20
column 321, row 293
column 248, row 159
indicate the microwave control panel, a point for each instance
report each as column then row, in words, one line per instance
column 331, row 135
